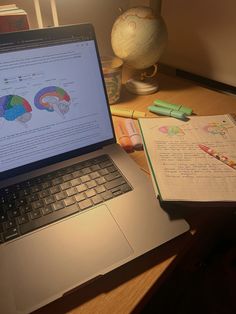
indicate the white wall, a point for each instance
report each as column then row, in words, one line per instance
column 202, row 34
column 101, row 13
column 202, row 37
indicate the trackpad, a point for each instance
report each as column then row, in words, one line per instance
column 58, row 258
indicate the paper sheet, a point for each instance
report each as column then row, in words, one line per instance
column 185, row 172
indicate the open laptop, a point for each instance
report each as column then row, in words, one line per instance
column 73, row 205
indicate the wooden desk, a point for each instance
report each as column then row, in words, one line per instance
column 126, row 290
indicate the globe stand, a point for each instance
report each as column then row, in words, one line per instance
column 143, row 84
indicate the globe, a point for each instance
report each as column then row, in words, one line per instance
column 139, row 37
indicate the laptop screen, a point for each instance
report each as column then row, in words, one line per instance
column 52, row 97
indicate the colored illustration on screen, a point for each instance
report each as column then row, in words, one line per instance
column 15, row 108
column 53, row 98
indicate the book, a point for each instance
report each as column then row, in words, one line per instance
column 12, row 19
column 192, row 161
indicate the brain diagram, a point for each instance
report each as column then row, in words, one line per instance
column 53, row 98
column 13, row 107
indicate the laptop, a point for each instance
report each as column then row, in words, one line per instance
column 73, row 205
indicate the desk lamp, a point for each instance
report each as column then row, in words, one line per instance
column 39, row 15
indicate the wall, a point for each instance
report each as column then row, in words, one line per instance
column 202, row 34
column 101, row 13
column 202, row 37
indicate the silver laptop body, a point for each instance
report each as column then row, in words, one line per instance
column 54, row 114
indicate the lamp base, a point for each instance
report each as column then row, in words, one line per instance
column 142, row 87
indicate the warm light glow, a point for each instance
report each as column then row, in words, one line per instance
column 54, row 12
column 39, row 15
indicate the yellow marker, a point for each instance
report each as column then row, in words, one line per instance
column 127, row 113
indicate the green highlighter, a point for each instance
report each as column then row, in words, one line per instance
column 164, row 104
column 167, row 112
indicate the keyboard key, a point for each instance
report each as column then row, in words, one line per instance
column 100, row 189
column 125, row 188
column 47, row 219
column 107, row 195
column 57, row 181
column 55, row 189
column 100, row 180
column 1, row 238
column 112, row 176
column 114, row 183
column 67, row 177
column 91, row 184
column 71, row 191
column 90, row 193
column 106, row 164
column 50, row 199
column 10, row 224
column 97, row 199
column 80, row 197
column 47, row 210
column 85, row 178
column 81, row 188
column 36, row 188
column 36, row 213
column 75, row 182
column 65, row 186
column 46, row 185
column 44, row 193
column 111, row 168
column 58, row 205
column 103, row 172
column 22, row 219
column 3, row 217
column 60, row 196
column 25, row 208
column 14, row 213
column 32, row 198
column 95, row 167
column 85, row 204
column 37, row 204
column 86, row 170
column 69, row 201
column 94, row 175
column 11, row 234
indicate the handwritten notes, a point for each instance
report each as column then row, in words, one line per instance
column 181, row 170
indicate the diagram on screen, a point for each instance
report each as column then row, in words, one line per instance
column 15, row 108
column 53, row 99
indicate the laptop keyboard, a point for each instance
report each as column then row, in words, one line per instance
column 40, row 201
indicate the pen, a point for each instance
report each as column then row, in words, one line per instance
column 220, row 157
column 127, row 113
column 165, row 104
column 167, row 112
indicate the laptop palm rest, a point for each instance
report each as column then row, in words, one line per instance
column 89, row 242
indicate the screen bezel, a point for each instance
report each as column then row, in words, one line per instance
column 82, row 32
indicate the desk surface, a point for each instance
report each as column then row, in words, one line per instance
column 128, row 288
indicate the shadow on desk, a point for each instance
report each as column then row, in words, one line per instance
column 208, row 287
